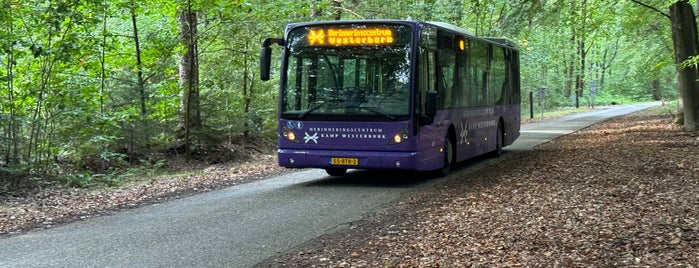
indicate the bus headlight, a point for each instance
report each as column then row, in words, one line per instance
column 397, row 139
column 289, row 135
column 400, row 137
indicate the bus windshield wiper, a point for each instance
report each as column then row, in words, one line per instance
column 309, row 111
column 371, row 109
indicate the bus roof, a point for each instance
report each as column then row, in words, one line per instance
column 296, row 24
column 500, row 40
column 435, row 23
column 451, row 27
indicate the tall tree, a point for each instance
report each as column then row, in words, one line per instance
column 189, row 75
column 9, row 126
column 140, row 82
column 686, row 45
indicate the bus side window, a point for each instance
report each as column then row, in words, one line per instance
column 500, row 86
column 513, row 75
column 460, row 96
column 479, row 74
column 487, row 75
column 427, row 77
column 447, row 60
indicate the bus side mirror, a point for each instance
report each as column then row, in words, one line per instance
column 431, row 103
column 266, row 56
column 265, row 62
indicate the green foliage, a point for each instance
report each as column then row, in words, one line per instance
column 81, row 180
column 667, row 108
column 113, row 177
column 691, row 62
column 69, row 98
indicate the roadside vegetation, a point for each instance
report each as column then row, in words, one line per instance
column 47, row 205
column 100, row 93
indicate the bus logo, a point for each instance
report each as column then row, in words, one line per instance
column 463, row 134
column 313, row 138
column 316, row 37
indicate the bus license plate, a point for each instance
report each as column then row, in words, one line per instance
column 344, row 161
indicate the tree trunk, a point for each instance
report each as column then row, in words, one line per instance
column 337, row 5
column 685, row 43
column 606, row 64
column 570, row 70
column 12, row 129
column 655, row 88
column 140, row 84
column 103, row 61
column 316, row 9
column 189, row 76
column 247, row 95
column 580, row 78
column 571, row 58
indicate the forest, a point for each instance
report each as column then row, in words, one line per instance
column 96, row 87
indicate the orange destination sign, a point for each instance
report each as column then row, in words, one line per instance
column 350, row 36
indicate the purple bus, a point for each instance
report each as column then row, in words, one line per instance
column 392, row 94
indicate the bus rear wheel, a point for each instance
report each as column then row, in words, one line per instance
column 499, row 140
column 336, row 171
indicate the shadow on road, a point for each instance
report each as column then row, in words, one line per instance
column 394, row 178
column 401, row 178
column 373, row 178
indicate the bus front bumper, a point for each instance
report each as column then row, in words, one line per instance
column 292, row 158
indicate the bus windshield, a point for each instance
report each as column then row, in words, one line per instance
column 348, row 72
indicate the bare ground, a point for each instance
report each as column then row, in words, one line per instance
column 621, row 193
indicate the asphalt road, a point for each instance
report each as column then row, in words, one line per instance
column 245, row 224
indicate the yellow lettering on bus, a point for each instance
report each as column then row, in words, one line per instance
column 350, row 36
